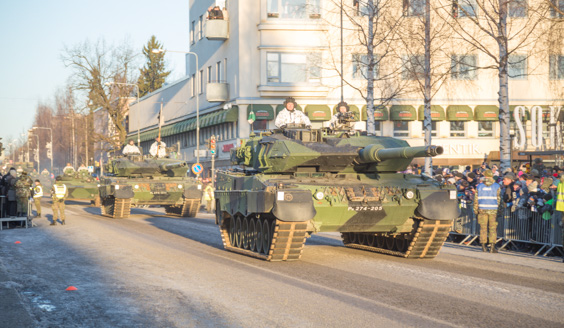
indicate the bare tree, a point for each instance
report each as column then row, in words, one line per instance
column 95, row 65
column 493, row 32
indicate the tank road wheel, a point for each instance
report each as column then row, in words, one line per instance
column 353, row 237
column 390, row 242
column 401, row 243
column 238, row 232
column 266, row 237
column 370, row 239
column 245, row 233
column 361, row 238
column 232, row 231
column 380, row 241
column 252, row 235
column 258, row 236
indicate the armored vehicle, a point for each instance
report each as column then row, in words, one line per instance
column 295, row 182
column 135, row 181
column 82, row 186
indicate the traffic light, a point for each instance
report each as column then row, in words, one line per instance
column 49, row 148
column 212, row 145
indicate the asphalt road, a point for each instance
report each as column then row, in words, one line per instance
column 156, row 271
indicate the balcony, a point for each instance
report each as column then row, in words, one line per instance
column 217, row 92
column 217, row 29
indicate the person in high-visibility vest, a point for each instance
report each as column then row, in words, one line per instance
column 560, row 202
column 209, row 197
column 485, row 206
column 59, row 193
column 37, row 195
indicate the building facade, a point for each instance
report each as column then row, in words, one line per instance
column 264, row 51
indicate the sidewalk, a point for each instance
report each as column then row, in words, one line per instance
column 13, row 312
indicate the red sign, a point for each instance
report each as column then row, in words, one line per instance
column 461, row 114
column 226, row 148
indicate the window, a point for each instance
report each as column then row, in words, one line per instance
column 463, row 67
column 218, row 72
column 517, row 8
column 224, row 77
column 485, row 129
column 517, row 67
column 201, row 84
column 192, row 32
column 194, row 88
column 557, row 13
column 413, row 67
column 260, row 125
column 457, row 129
column 464, row 8
column 433, row 128
column 210, row 77
column 556, row 67
column 293, row 9
column 361, row 8
column 360, row 66
column 401, row 129
column 293, row 67
column 201, row 28
column 413, row 7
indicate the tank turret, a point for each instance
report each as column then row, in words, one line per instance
column 296, row 182
column 136, row 166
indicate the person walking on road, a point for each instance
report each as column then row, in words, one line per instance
column 487, row 202
column 59, row 193
column 560, row 202
column 209, row 197
column 37, row 195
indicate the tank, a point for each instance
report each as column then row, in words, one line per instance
column 295, row 182
column 137, row 181
column 81, row 186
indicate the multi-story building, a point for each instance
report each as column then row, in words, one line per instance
column 264, row 51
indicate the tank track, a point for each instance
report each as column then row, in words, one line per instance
column 189, row 208
column 278, row 240
column 424, row 242
column 119, row 208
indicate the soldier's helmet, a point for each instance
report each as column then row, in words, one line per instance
column 341, row 104
column 58, row 178
column 290, row 100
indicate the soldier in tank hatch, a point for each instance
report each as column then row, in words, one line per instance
column 158, row 148
column 289, row 115
column 131, row 149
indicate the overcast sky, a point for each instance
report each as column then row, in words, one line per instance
column 33, row 34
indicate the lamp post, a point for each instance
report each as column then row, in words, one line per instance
column 158, row 51
column 135, row 85
column 38, row 157
column 51, row 132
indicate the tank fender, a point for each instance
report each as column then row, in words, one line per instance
column 122, row 191
column 293, row 205
column 439, row 205
column 193, row 192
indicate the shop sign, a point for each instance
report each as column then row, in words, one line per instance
column 227, row 148
column 551, row 115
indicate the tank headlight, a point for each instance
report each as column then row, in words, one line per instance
column 319, row 195
column 98, row 185
column 179, row 186
column 409, row 194
column 136, row 186
column 117, row 187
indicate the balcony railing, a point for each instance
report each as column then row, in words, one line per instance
column 217, row 29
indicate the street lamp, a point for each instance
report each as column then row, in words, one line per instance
column 51, row 132
column 38, row 157
column 158, row 51
column 135, row 85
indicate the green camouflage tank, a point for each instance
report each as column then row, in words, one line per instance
column 81, row 185
column 296, row 182
column 135, row 181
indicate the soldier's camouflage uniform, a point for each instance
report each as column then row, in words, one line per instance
column 487, row 219
column 23, row 192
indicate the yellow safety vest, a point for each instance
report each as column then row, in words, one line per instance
column 560, row 197
column 37, row 192
column 60, row 191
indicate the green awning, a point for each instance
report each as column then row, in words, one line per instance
column 402, row 113
column 486, row 113
column 459, row 113
column 280, row 107
column 352, row 108
column 437, row 113
column 318, row 112
column 262, row 112
column 215, row 118
column 380, row 113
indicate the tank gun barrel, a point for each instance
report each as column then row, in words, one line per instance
column 171, row 166
column 376, row 153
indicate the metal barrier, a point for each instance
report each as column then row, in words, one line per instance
column 519, row 226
